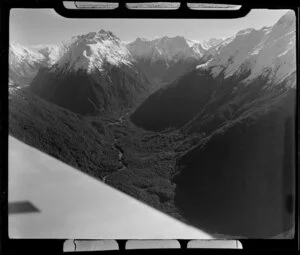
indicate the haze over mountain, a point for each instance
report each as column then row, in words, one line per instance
column 165, row 59
column 23, row 64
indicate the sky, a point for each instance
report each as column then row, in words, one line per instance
column 44, row 26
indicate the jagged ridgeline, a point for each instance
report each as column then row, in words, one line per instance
column 116, row 75
column 242, row 72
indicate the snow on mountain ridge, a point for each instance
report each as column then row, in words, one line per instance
column 170, row 48
column 208, row 44
column 231, row 53
column 267, row 51
column 277, row 51
column 255, row 50
column 19, row 53
column 23, row 64
column 91, row 51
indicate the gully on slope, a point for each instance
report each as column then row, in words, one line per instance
column 118, row 148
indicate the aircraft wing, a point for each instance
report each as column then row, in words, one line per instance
column 49, row 199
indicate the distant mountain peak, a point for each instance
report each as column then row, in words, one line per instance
column 141, row 39
column 23, row 64
column 289, row 18
column 107, row 34
column 246, row 31
column 177, row 37
column 210, row 43
column 19, row 53
column 166, row 48
column 268, row 51
column 102, row 31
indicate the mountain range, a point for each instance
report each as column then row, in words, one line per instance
column 165, row 59
column 101, row 58
column 166, row 49
column 238, row 73
column 204, row 129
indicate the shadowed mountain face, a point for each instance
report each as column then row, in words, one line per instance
column 240, row 182
column 161, row 73
column 233, row 100
column 93, row 93
column 175, row 105
column 90, row 74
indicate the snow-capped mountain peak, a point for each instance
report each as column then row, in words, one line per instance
column 230, row 53
column 276, row 53
column 91, row 51
column 19, row 53
column 245, row 31
column 267, row 51
column 208, row 44
column 270, row 48
column 24, row 64
column 170, row 48
column 50, row 52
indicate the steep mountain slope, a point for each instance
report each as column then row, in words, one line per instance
column 175, row 105
column 240, row 183
column 237, row 78
column 93, row 73
column 264, row 73
column 270, row 49
column 166, row 58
